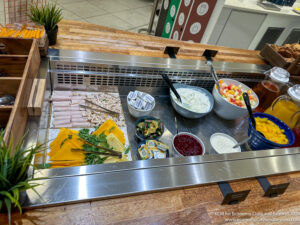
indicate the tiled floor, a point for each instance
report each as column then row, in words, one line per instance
column 121, row 14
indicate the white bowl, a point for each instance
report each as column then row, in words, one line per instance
column 227, row 110
column 238, row 149
column 138, row 113
column 186, row 133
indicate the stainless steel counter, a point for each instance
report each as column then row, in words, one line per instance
column 96, row 72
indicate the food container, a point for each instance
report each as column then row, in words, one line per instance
column 227, row 110
column 138, row 112
column 192, row 135
column 258, row 142
column 223, row 149
column 140, row 136
column 187, row 113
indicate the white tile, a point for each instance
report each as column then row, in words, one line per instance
column 68, row 15
column 136, row 3
column 133, row 17
column 84, row 9
column 146, row 11
column 110, row 20
column 109, row 5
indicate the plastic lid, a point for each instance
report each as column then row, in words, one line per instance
column 279, row 75
column 294, row 92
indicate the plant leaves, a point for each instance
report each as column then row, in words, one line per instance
column 8, row 206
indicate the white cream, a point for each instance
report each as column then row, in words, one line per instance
column 223, row 144
column 192, row 100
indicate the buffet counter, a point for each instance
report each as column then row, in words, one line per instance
column 195, row 198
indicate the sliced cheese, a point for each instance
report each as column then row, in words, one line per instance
column 114, row 143
column 110, row 127
column 61, row 147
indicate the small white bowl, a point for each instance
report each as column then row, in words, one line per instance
column 138, row 113
column 194, row 136
column 238, row 149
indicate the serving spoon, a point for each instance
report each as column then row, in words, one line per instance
column 170, row 84
column 248, row 105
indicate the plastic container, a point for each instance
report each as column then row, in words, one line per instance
column 227, row 110
column 258, row 142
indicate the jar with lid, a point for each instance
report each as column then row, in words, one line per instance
column 287, row 107
column 271, row 87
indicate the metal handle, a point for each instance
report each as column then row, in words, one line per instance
column 169, row 82
column 248, row 105
column 282, row 97
column 292, row 117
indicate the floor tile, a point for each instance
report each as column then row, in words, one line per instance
column 84, row 9
column 68, row 15
column 132, row 4
column 133, row 17
column 146, row 11
column 109, row 5
column 110, row 20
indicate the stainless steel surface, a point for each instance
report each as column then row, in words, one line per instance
column 121, row 183
column 118, row 179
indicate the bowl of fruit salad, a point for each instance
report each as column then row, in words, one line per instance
column 229, row 104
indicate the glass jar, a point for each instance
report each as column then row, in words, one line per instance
column 287, row 107
column 270, row 88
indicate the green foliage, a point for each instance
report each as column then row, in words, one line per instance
column 100, row 140
column 14, row 165
column 48, row 15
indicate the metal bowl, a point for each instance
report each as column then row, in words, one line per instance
column 187, row 113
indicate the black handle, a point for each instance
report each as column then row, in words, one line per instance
column 169, row 82
column 248, row 105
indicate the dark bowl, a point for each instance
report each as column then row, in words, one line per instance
column 140, row 136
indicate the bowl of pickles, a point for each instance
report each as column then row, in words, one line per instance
column 149, row 128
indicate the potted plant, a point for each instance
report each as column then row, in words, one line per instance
column 48, row 15
column 14, row 179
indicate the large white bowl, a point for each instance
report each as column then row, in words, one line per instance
column 227, row 110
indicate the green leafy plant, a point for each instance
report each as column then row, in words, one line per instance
column 14, row 164
column 48, row 15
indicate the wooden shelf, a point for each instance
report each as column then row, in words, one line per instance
column 10, row 78
column 6, row 107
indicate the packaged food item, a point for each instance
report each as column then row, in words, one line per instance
column 144, row 152
column 140, row 100
column 153, row 149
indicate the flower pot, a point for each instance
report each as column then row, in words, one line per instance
column 52, row 35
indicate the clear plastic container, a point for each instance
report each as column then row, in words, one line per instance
column 270, row 88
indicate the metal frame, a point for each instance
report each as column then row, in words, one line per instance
column 75, row 184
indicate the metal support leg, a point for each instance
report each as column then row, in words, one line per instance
column 149, row 29
column 231, row 197
column 272, row 190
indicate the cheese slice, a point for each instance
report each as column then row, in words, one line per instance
column 110, row 127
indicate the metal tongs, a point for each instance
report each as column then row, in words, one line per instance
column 209, row 54
column 99, row 106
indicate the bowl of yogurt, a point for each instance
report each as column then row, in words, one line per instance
column 223, row 143
column 196, row 102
